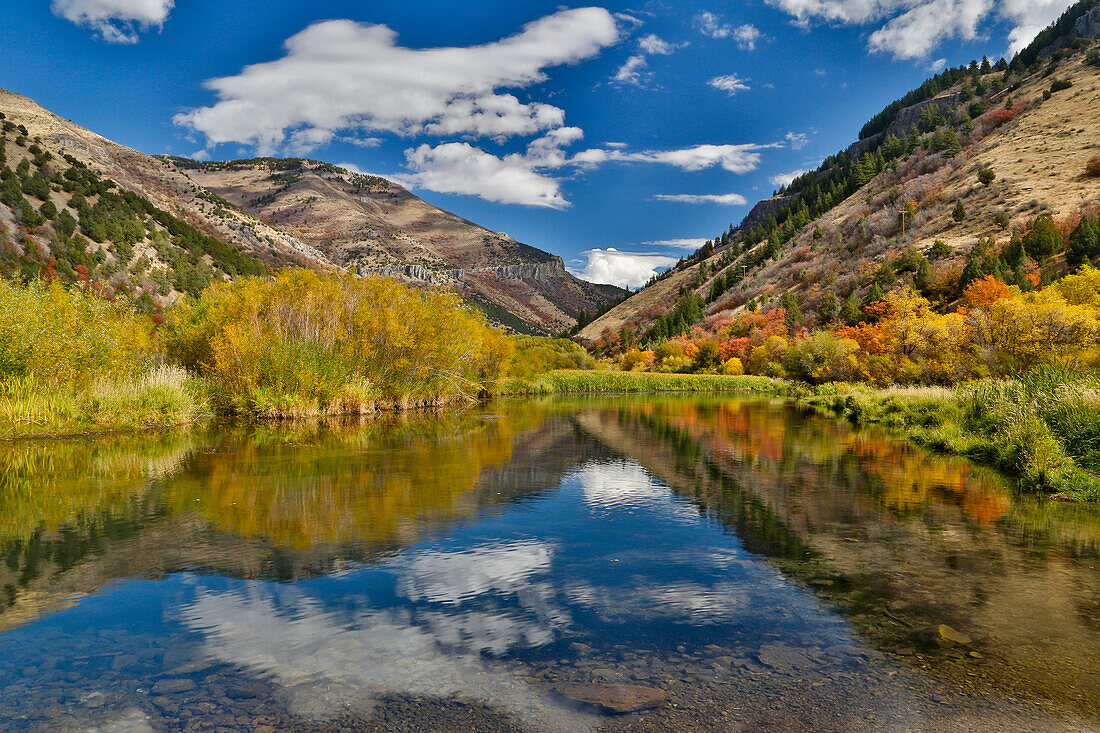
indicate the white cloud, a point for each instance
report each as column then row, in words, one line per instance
column 339, row 75
column 840, row 11
column 937, row 66
column 463, row 169
column 785, row 179
column 116, row 21
column 797, row 140
column 1030, row 17
column 746, row 37
column 361, row 142
column 625, row 269
column 912, row 28
column 631, row 71
column 711, row 24
column 655, row 46
column 725, row 199
column 439, row 576
column 733, row 158
column 915, row 33
column 691, row 244
column 634, row 69
column 730, row 83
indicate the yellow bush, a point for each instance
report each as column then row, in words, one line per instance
column 67, row 337
column 732, row 367
column 306, row 343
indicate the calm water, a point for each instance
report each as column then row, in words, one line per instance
column 511, row 568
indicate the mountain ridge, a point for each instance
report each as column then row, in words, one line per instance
column 297, row 213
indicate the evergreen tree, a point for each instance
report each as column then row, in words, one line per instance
column 852, row 312
column 789, row 303
column 1014, row 252
column 924, row 275
column 1044, row 239
column 1084, row 242
column 959, row 212
column 830, row 308
column 971, row 273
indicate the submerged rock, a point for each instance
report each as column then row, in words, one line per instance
column 945, row 636
column 782, row 657
column 616, row 698
column 178, row 684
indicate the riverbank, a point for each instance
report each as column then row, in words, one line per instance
column 1042, row 428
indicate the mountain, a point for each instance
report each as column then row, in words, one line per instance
column 906, row 200
column 159, row 226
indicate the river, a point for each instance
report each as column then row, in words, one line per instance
column 674, row 563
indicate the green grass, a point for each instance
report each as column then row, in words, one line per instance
column 577, row 381
column 1042, row 428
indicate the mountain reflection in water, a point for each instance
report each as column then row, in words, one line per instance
column 761, row 567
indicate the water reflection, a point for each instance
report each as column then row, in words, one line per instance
column 761, row 567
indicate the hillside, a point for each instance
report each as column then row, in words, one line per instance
column 887, row 209
column 375, row 225
column 86, row 208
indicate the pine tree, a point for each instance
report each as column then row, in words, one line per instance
column 789, row 303
column 959, row 212
column 1084, row 242
column 830, row 307
column 924, row 275
column 1044, row 239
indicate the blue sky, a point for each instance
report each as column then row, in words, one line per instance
column 618, row 135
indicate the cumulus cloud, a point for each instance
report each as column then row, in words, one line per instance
column 342, row 76
column 797, row 140
column 725, row 199
column 462, row 168
column 634, row 70
column 655, row 46
column 912, row 28
column 733, row 158
column 625, row 269
column 528, row 179
column 730, row 83
column 915, row 33
column 785, row 179
column 1029, row 17
column 116, row 21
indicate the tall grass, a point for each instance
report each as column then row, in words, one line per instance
column 1042, row 427
column 73, row 361
column 574, row 381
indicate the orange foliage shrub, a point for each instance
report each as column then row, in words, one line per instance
column 985, row 292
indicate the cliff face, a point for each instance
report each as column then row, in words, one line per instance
column 947, row 102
